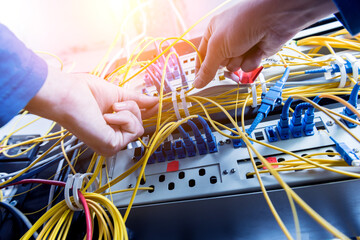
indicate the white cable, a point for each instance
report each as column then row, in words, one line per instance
column 184, row 103
column 44, row 161
column 56, row 178
column 175, row 105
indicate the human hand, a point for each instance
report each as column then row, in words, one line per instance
column 251, row 30
column 102, row 115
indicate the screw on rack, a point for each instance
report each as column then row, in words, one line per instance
column 225, row 172
column 130, row 186
column 228, row 141
column 232, row 170
column 330, row 123
column 356, row 150
column 221, row 143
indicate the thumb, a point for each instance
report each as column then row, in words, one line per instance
column 208, row 68
column 252, row 59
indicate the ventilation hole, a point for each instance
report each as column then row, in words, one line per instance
column 171, row 186
column 258, row 163
column 213, row 179
column 192, row 71
column 191, row 182
column 142, row 182
column 202, row 172
column 192, row 59
column 249, row 176
column 152, row 186
column 281, row 159
column 185, row 61
column 330, row 151
column 181, row 175
column 303, row 155
column 161, row 178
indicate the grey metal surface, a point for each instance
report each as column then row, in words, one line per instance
column 195, row 185
column 247, row 216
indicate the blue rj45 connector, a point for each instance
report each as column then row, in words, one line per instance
column 179, row 147
column 189, row 143
column 200, row 142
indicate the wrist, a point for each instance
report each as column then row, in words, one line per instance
column 48, row 102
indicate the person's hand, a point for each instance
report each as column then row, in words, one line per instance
column 102, row 115
column 251, row 30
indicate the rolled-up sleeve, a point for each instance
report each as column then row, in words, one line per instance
column 349, row 15
column 22, row 73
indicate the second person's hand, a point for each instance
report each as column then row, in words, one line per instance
column 251, row 30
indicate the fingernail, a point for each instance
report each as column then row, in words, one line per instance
column 109, row 115
column 197, row 83
column 119, row 105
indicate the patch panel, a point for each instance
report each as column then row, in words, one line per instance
column 227, row 171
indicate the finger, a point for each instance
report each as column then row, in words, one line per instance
column 142, row 100
column 234, row 64
column 147, row 113
column 202, row 48
column 128, row 124
column 129, row 106
column 252, row 59
column 209, row 67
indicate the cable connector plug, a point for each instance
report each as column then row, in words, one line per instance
column 353, row 101
column 138, row 153
column 210, row 138
column 169, row 150
column 189, row 143
column 200, row 141
column 159, row 153
column 179, row 147
column 346, row 153
column 283, row 128
column 308, row 123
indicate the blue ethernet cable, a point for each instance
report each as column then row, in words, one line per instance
column 353, row 101
column 210, row 138
column 154, row 79
column 283, row 126
column 347, row 112
column 297, row 124
column 269, row 100
column 200, row 142
column 167, row 85
column 189, row 143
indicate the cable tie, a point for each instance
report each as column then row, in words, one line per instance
column 341, row 63
column 75, row 183
column 175, row 104
column 355, row 64
column 262, row 82
column 184, row 103
column 254, row 95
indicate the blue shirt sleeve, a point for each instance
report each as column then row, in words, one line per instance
column 349, row 15
column 22, row 73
